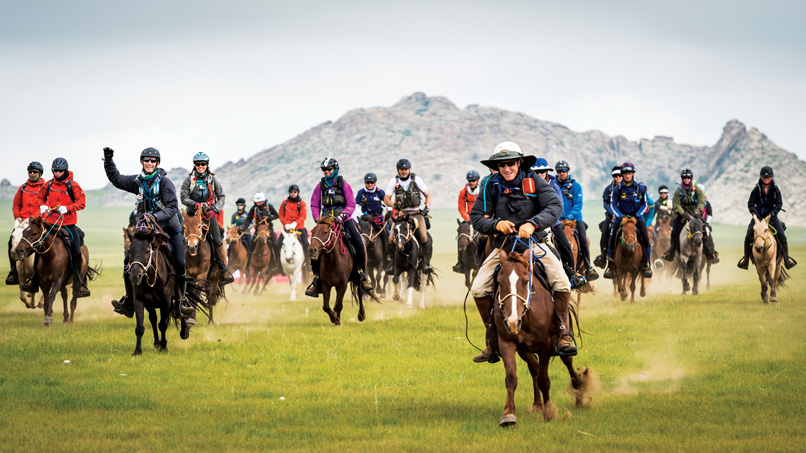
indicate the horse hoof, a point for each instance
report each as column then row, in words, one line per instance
column 361, row 316
column 48, row 321
column 773, row 299
column 507, row 420
column 409, row 305
column 137, row 352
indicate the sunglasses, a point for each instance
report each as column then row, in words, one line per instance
column 200, row 164
column 369, row 182
column 293, row 191
column 327, row 169
column 685, row 177
column 542, row 172
column 30, row 172
column 509, row 163
column 149, row 160
column 58, row 171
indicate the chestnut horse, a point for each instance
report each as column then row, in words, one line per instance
column 199, row 257
column 663, row 239
column 236, row 254
column 569, row 228
column 262, row 257
column 54, row 268
column 526, row 321
column 627, row 256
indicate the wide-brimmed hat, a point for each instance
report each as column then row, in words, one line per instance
column 508, row 151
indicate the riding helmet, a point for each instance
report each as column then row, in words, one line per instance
column 259, row 197
column 293, row 187
column 687, row 173
column 201, row 157
column 766, row 172
column 473, row 175
column 59, row 164
column 240, row 202
column 370, row 177
column 562, row 165
column 329, row 162
column 663, row 189
column 615, row 171
column 541, row 165
column 150, row 152
column 403, row 164
column 36, row 166
column 627, row 167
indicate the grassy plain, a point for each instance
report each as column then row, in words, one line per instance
column 719, row 371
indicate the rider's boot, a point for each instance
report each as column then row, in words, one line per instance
column 315, row 288
column 226, row 275
column 458, row 268
column 789, row 262
column 366, row 286
column 80, row 288
column 125, row 306
column 590, row 273
column 600, row 260
column 610, row 272
column 484, row 304
column 748, row 249
column 708, row 251
column 566, row 346
column 32, row 284
column 646, row 268
column 428, row 250
column 12, row 278
column 183, row 308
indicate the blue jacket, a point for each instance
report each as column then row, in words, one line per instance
column 370, row 202
column 606, row 195
column 572, row 199
column 553, row 184
column 628, row 200
column 649, row 216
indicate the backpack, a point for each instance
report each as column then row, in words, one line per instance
column 68, row 183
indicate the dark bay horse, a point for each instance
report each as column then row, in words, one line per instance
column 237, row 254
column 199, row 258
column 375, row 244
column 526, row 321
column 627, row 256
column 407, row 259
column 469, row 241
column 53, row 266
column 261, row 260
column 335, row 267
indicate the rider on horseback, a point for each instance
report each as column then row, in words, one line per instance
column 201, row 191
column 689, row 201
column 261, row 212
column 25, row 206
column 333, row 196
column 411, row 197
column 515, row 202
column 467, row 196
column 292, row 215
column 766, row 200
column 156, row 197
column 629, row 198
column 370, row 199
column 571, row 192
column 240, row 220
column 542, row 169
column 605, row 226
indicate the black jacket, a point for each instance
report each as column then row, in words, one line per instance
column 764, row 205
column 257, row 213
column 167, row 218
column 499, row 200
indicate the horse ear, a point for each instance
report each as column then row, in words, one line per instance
column 767, row 219
column 184, row 213
column 526, row 255
column 458, row 222
column 38, row 221
column 502, row 256
column 129, row 234
column 755, row 217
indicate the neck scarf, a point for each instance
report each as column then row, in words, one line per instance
column 145, row 176
column 329, row 179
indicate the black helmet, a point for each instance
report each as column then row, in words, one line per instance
column 663, row 189
column 615, row 171
column 240, row 202
column 687, row 173
column 562, row 165
column 329, row 162
column 293, row 187
column 59, row 164
column 150, row 152
column 766, row 172
column 627, row 167
column 403, row 164
column 473, row 175
column 36, row 166
column 370, row 177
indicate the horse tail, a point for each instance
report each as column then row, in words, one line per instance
column 783, row 276
column 196, row 294
column 94, row 272
column 357, row 293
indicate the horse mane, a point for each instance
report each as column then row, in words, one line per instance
column 144, row 233
column 626, row 220
column 517, row 257
column 326, row 220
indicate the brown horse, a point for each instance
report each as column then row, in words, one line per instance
column 769, row 263
column 663, row 239
column 526, row 322
column 335, row 267
column 569, row 227
column 199, row 258
column 627, row 256
column 261, row 260
column 237, row 253
column 54, row 269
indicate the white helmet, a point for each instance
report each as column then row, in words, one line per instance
column 507, row 146
column 259, row 197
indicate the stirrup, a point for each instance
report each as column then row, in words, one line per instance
column 610, row 272
column 743, row 263
column 578, row 280
column 568, row 350
column 790, row 262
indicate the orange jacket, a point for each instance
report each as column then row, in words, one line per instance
column 26, row 201
column 58, row 196
column 293, row 212
column 466, row 200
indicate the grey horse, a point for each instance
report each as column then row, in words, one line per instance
column 689, row 260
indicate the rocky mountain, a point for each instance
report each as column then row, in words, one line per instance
column 444, row 142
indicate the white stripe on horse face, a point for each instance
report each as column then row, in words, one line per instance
column 513, row 283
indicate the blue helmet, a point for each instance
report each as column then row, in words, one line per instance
column 201, row 157
column 627, row 167
column 541, row 165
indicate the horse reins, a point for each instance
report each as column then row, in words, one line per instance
column 147, row 266
column 43, row 237
column 332, row 233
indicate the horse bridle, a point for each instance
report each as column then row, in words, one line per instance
column 42, row 237
column 689, row 235
column 331, row 236
column 527, row 301
column 767, row 241
column 147, row 266
column 204, row 229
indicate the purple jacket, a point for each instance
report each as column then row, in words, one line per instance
column 316, row 199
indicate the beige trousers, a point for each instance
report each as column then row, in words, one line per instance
column 483, row 284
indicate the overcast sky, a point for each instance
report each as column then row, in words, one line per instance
column 231, row 78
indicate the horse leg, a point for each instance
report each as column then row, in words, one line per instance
column 544, row 382
column 66, row 316
column 507, row 351
column 643, row 287
column 292, row 281
column 684, row 274
column 621, row 276
column 326, row 305
column 422, row 292
column 163, row 325
column 534, row 370
column 708, row 275
column 632, row 287
column 152, row 318
column 362, row 315
column 412, row 275
column 48, row 308
column 140, row 328
column 773, row 283
column 339, row 305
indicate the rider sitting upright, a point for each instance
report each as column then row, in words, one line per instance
column 689, row 201
column 766, row 200
column 261, row 212
column 514, row 202
column 201, row 192
column 604, row 241
column 293, row 212
column 25, row 206
column 572, row 210
column 467, row 196
column 333, row 197
column 156, row 197
column 411, row 197
column 629, row 199
column 240, row 220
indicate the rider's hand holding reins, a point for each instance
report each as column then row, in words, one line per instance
column 62, row 210
column 526, row 230
column 43, row 209
column 505, row 226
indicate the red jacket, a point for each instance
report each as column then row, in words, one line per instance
column 57, row 196
column 466, row 200
column 26, row 201
column 293, row 212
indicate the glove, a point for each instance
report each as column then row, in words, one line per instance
column 526, row 230
column 293, row 225
column 505, row 226
column 62, row 210
column 425, row 211
column 43, row 209
column 18, row 220
column 342, row 217
column 108, row 152
column 708, row 219
column 210, row 214
column 398, row 206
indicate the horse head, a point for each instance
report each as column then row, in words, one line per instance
column 465, row 235
column 144, row 244
column 568, row 227
column 694, row 231
column 233, row 234
column 629, row 233
column 761, row 234
column 262, row 233
column 194, row 230
column 20, row 225
column 514, row 283
column 403, row 232
column 323, row 236
column 33, row 236
column 291, row 248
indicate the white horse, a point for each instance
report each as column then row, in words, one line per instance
column 292, row 258
column 25, row 268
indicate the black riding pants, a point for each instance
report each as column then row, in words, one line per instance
column 177, row 242
column 604, row 242
column 75, row 245
column 780, row 235
column 582, row 229
column 215, row 233
column 563, row 246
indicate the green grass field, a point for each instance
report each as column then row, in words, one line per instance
column 719, row 371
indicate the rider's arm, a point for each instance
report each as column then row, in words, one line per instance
column 678, row 203
column 316, row 200
column 272, row 212
column 481, row 214
column 16, row 206
column 606, row 199
column 358, row 202
column 122, row 182
column 778, row 203
column 348, row 195
column 303, row 214
column 184, row 194
column 576, row 210
column 281, row 213
column 220, row 197
column 81, row 199
column 614, row 201
column 168, row 197
column 700, row 199
column 388, row 199
column 752, row 202
column 463, row 205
